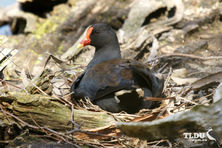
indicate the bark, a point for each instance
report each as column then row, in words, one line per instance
column 49, row 112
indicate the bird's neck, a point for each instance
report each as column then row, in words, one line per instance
column 104, row 54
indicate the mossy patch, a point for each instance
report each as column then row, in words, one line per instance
column 46, row 27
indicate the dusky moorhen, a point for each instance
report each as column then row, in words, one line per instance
column 113, row 83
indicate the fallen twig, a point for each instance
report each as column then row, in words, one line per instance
column 5, row 113
column 158, row 99
column 172, row 55
column 10, row 84
column 20, row 120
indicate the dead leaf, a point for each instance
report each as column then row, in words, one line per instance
column 206, row 81
column 179, row 77
column 218, row 93
column 24, row 78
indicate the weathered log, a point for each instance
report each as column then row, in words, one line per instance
column 172, row 127
column 50, row 112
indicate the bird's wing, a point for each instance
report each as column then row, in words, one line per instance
column 109, row 77
column 213, row 136
column 153, row 81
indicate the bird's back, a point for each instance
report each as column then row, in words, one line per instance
column 114, row 75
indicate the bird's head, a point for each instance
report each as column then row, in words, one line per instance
column 208, row 128
column 99, row 35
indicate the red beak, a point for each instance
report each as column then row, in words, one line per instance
column 86, row 40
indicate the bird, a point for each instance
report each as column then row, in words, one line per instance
column 111, row 82
column 212, row 135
